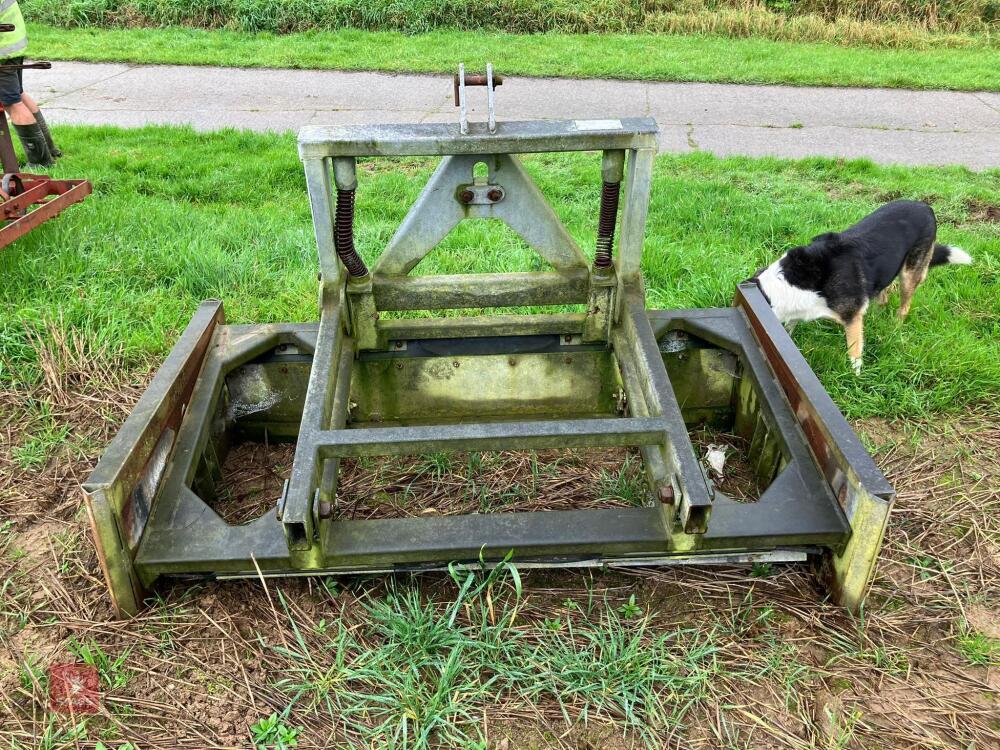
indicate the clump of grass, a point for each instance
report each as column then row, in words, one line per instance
column 855, row 22
column 112, row 670
column 624, row 670
column 421, row 671
column 42, row 438
column 15, row 602
column 625, row 483
column 979, row 648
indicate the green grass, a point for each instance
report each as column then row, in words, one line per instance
column 979, row 648
column 634, row 56
column 421, row 672
column 625, row 483
column 178, row 216
column 46, row 434
column 112, row 670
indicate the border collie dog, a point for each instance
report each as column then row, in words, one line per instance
column 838, row 274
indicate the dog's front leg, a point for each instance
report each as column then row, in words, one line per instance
column 855, row 331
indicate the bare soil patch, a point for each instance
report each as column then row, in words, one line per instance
column 981, row 211
column 253, row 476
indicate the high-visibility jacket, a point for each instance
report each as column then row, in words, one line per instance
column 12, row 43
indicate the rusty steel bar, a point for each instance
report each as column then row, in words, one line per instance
column 67, row 193
column 475, row 79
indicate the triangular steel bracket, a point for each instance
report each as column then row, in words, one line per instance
column 440, row 208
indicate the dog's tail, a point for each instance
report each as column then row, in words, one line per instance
column 946, row 254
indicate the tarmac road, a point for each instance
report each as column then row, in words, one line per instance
column 885, row 125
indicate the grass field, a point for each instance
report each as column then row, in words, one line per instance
column 632, row 56
column 679, row 659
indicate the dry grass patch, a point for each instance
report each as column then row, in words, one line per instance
column 491, row 482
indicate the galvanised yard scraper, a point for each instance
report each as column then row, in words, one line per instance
column 363, row 384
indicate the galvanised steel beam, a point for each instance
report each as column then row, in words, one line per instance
column 864, row 494
column 497, row 436
column 634, row 341
column 297, row 507
column 481, row 290
column 479, row 326
column 121, row 491
column 434, row 139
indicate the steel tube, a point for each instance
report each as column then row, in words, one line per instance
column 402, row 441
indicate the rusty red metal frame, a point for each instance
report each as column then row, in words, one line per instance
column 38, row 189
column 50, row 196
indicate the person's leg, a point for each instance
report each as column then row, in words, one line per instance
column 19, row 113
column 36, row 114
column 29, row 132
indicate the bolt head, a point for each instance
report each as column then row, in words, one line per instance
column 666, row 495
column 325, row 509
column 466, row 196
column 495, row 194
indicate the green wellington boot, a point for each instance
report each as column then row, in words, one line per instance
column 53, row 148
column 35, row 147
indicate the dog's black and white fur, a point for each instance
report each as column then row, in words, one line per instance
column 838, row 274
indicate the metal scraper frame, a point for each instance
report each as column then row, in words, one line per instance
column 361, row 384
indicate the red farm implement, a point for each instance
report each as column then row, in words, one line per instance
column 29, row 200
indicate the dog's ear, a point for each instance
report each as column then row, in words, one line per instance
column 804, row 264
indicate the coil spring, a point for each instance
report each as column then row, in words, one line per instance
column 343, row 235
column 606, row 223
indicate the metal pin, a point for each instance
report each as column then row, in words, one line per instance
column 463, row 120
column 489, row 98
